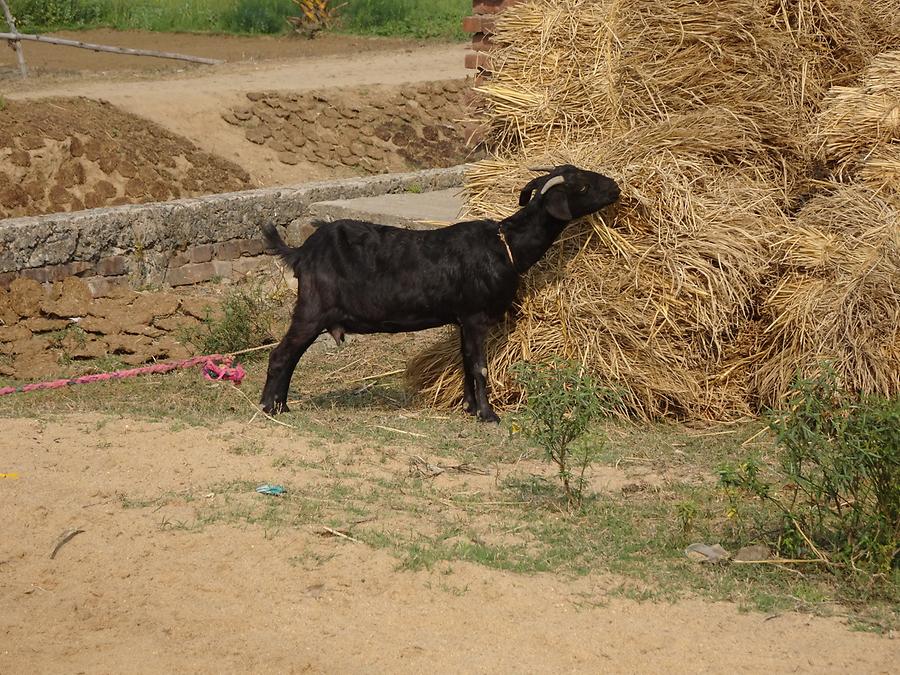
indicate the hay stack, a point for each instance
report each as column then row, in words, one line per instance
column 699, row 110
column 839, row 297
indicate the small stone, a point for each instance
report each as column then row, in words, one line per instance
column 704, row 553
column 753, row 553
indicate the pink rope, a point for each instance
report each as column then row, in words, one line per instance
column 216, row 367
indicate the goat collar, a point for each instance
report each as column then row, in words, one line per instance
column 506, row 245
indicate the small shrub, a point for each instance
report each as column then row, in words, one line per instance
column 836, row 489
column 251, row 317
column 561, row 401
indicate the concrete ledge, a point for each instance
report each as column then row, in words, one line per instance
column 142, row 239
column 413, row 211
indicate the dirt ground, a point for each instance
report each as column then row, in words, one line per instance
column 138, row 591
column 182, row 567
column 190, row 100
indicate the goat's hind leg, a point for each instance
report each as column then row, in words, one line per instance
column 475, row 330
column 282, row 362
column 469, row 404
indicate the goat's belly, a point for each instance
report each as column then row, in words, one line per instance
column 393, row 325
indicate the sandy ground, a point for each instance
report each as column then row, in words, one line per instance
column 189, row 99
column 128, row 595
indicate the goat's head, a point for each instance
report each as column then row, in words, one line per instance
column 567, row 192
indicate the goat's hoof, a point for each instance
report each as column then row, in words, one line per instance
column 470, row 409
column 274, row 408
column 489, row 416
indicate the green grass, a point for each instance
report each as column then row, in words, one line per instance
column 402, row 18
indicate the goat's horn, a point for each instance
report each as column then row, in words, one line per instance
column 556, row 180
column 545, row 169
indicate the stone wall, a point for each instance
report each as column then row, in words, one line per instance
column 180, row 242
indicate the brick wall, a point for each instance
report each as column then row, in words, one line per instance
column 481, row 25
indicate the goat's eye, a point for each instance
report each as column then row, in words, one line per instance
column 583, row 188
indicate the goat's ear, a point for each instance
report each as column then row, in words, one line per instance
column 528, row 190
column 556, row 203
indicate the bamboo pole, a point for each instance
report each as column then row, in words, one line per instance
column 106, row 48
column 17, row 47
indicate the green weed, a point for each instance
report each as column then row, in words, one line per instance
column 251, row 317
column 561, row 401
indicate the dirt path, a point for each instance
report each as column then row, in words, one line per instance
column 190, row 100
column 143, row 590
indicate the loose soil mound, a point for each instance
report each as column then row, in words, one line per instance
column 71, row 154
column 375, row 129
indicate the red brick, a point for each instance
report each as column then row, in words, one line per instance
column 190, row 274
column 481, row 42
column 472, row 24
column 202, row 253
column 482, row 23
column 252, row 246
column 50, row 273
column 6, row 278
column 228, row 250
column 112, row 266
column 179, row 258
column 478, row 60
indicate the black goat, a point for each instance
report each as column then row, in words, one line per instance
column 358, row 277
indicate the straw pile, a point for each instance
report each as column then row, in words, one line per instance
column 702, row 112
column 839, row 297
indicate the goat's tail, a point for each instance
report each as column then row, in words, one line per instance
column 277, row 245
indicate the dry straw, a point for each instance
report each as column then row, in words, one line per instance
column 703, row 113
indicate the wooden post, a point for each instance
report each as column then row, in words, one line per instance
column 106, row 48
column 16, row 44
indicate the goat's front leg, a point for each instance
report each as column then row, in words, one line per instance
column 282, row 362
column 474, row 331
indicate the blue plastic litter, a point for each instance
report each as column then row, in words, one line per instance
column 271, row 490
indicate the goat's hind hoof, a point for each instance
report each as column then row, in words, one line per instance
column 274, row 408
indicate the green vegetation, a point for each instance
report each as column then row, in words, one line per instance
column 405, row 18
column 836, row 488
column 561, row 401
column 251, row 317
